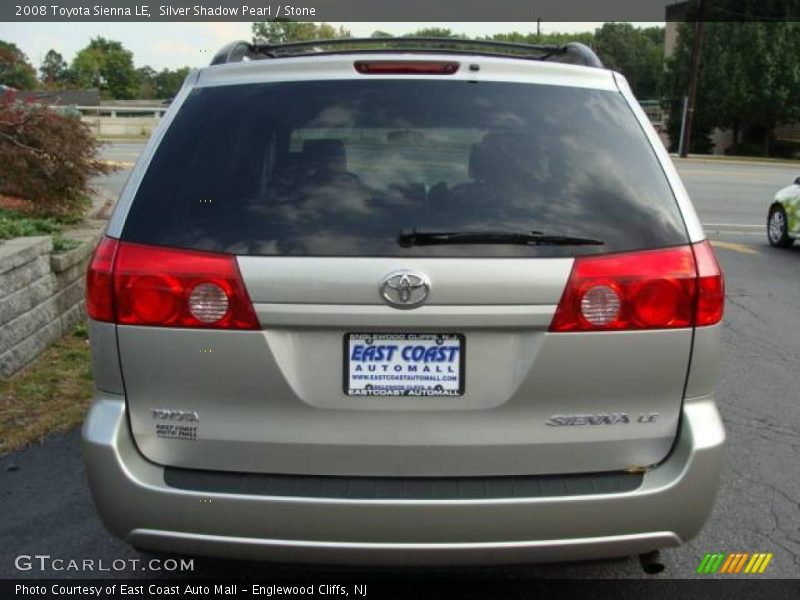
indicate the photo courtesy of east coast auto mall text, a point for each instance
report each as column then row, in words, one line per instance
column 373, row 299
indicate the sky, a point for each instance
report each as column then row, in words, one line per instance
column 173, row 45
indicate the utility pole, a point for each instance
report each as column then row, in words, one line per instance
column 694, row 71
column 538, row 29
column 683, row 125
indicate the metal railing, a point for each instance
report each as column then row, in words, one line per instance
column 121, row 111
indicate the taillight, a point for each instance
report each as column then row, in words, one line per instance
column 99, row 281
column 654, row 289
column 406, row 67
column 134, row 284
column 711, row 285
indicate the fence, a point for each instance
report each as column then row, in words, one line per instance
column 121, row 121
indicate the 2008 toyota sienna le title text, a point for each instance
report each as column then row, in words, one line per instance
column 404, row 302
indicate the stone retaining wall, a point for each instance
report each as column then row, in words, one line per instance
column 41, row 295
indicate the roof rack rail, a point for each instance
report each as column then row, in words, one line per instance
column 572, row 52
column 234, row 52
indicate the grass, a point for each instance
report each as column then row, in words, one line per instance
column 51, row 394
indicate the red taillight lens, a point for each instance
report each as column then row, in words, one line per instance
column 163, row 287
column 406, row 67
column 655, row 289
column 99, row 281
column 711, row 285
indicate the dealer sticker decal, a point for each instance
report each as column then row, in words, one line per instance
column 175, row 424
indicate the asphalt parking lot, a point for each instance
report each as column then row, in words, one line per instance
column 47, row 510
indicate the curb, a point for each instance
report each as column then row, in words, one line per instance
column 743, row 160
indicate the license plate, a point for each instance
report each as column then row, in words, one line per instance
column 404, row 364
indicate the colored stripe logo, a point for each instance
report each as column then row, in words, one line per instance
column 735, row 563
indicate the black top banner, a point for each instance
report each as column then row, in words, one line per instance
column 395, row 10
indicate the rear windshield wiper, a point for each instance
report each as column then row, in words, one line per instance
column 412, row 237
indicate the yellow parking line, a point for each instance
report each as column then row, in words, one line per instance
column 733, row 247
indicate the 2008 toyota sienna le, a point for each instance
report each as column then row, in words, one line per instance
column 404, row 302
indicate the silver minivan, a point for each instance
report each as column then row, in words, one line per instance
column 406, row 302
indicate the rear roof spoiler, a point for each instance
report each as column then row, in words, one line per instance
column 572, row 53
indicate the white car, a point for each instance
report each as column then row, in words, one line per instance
column 783, row 220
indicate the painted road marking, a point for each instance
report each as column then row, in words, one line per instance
column 734, row 229
column 722, row 174
column 731, row 232
column 779, row 164
column 733, row 247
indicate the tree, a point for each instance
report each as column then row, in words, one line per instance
column 54, row 70
column 48, row 158
column 168, row 82
column 749, row 81
column 434, row 32
column 636, row 53
column 544, row 38
column 107, row 66
column 758, row 73
column 329, row 32
column 380, row 34
column 675, row 86
column 146, row 77
column 15, row 70
column 281, row 31
column 162, row 84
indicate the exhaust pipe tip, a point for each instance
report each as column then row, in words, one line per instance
column 651, row 562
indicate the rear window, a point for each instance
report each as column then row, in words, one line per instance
column 340, row 168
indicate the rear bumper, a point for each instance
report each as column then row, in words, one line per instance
column 137, row 505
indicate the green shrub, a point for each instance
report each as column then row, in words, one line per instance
column 15, row 224
column 61, row 244
column 745, row 149
column 786, row 149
